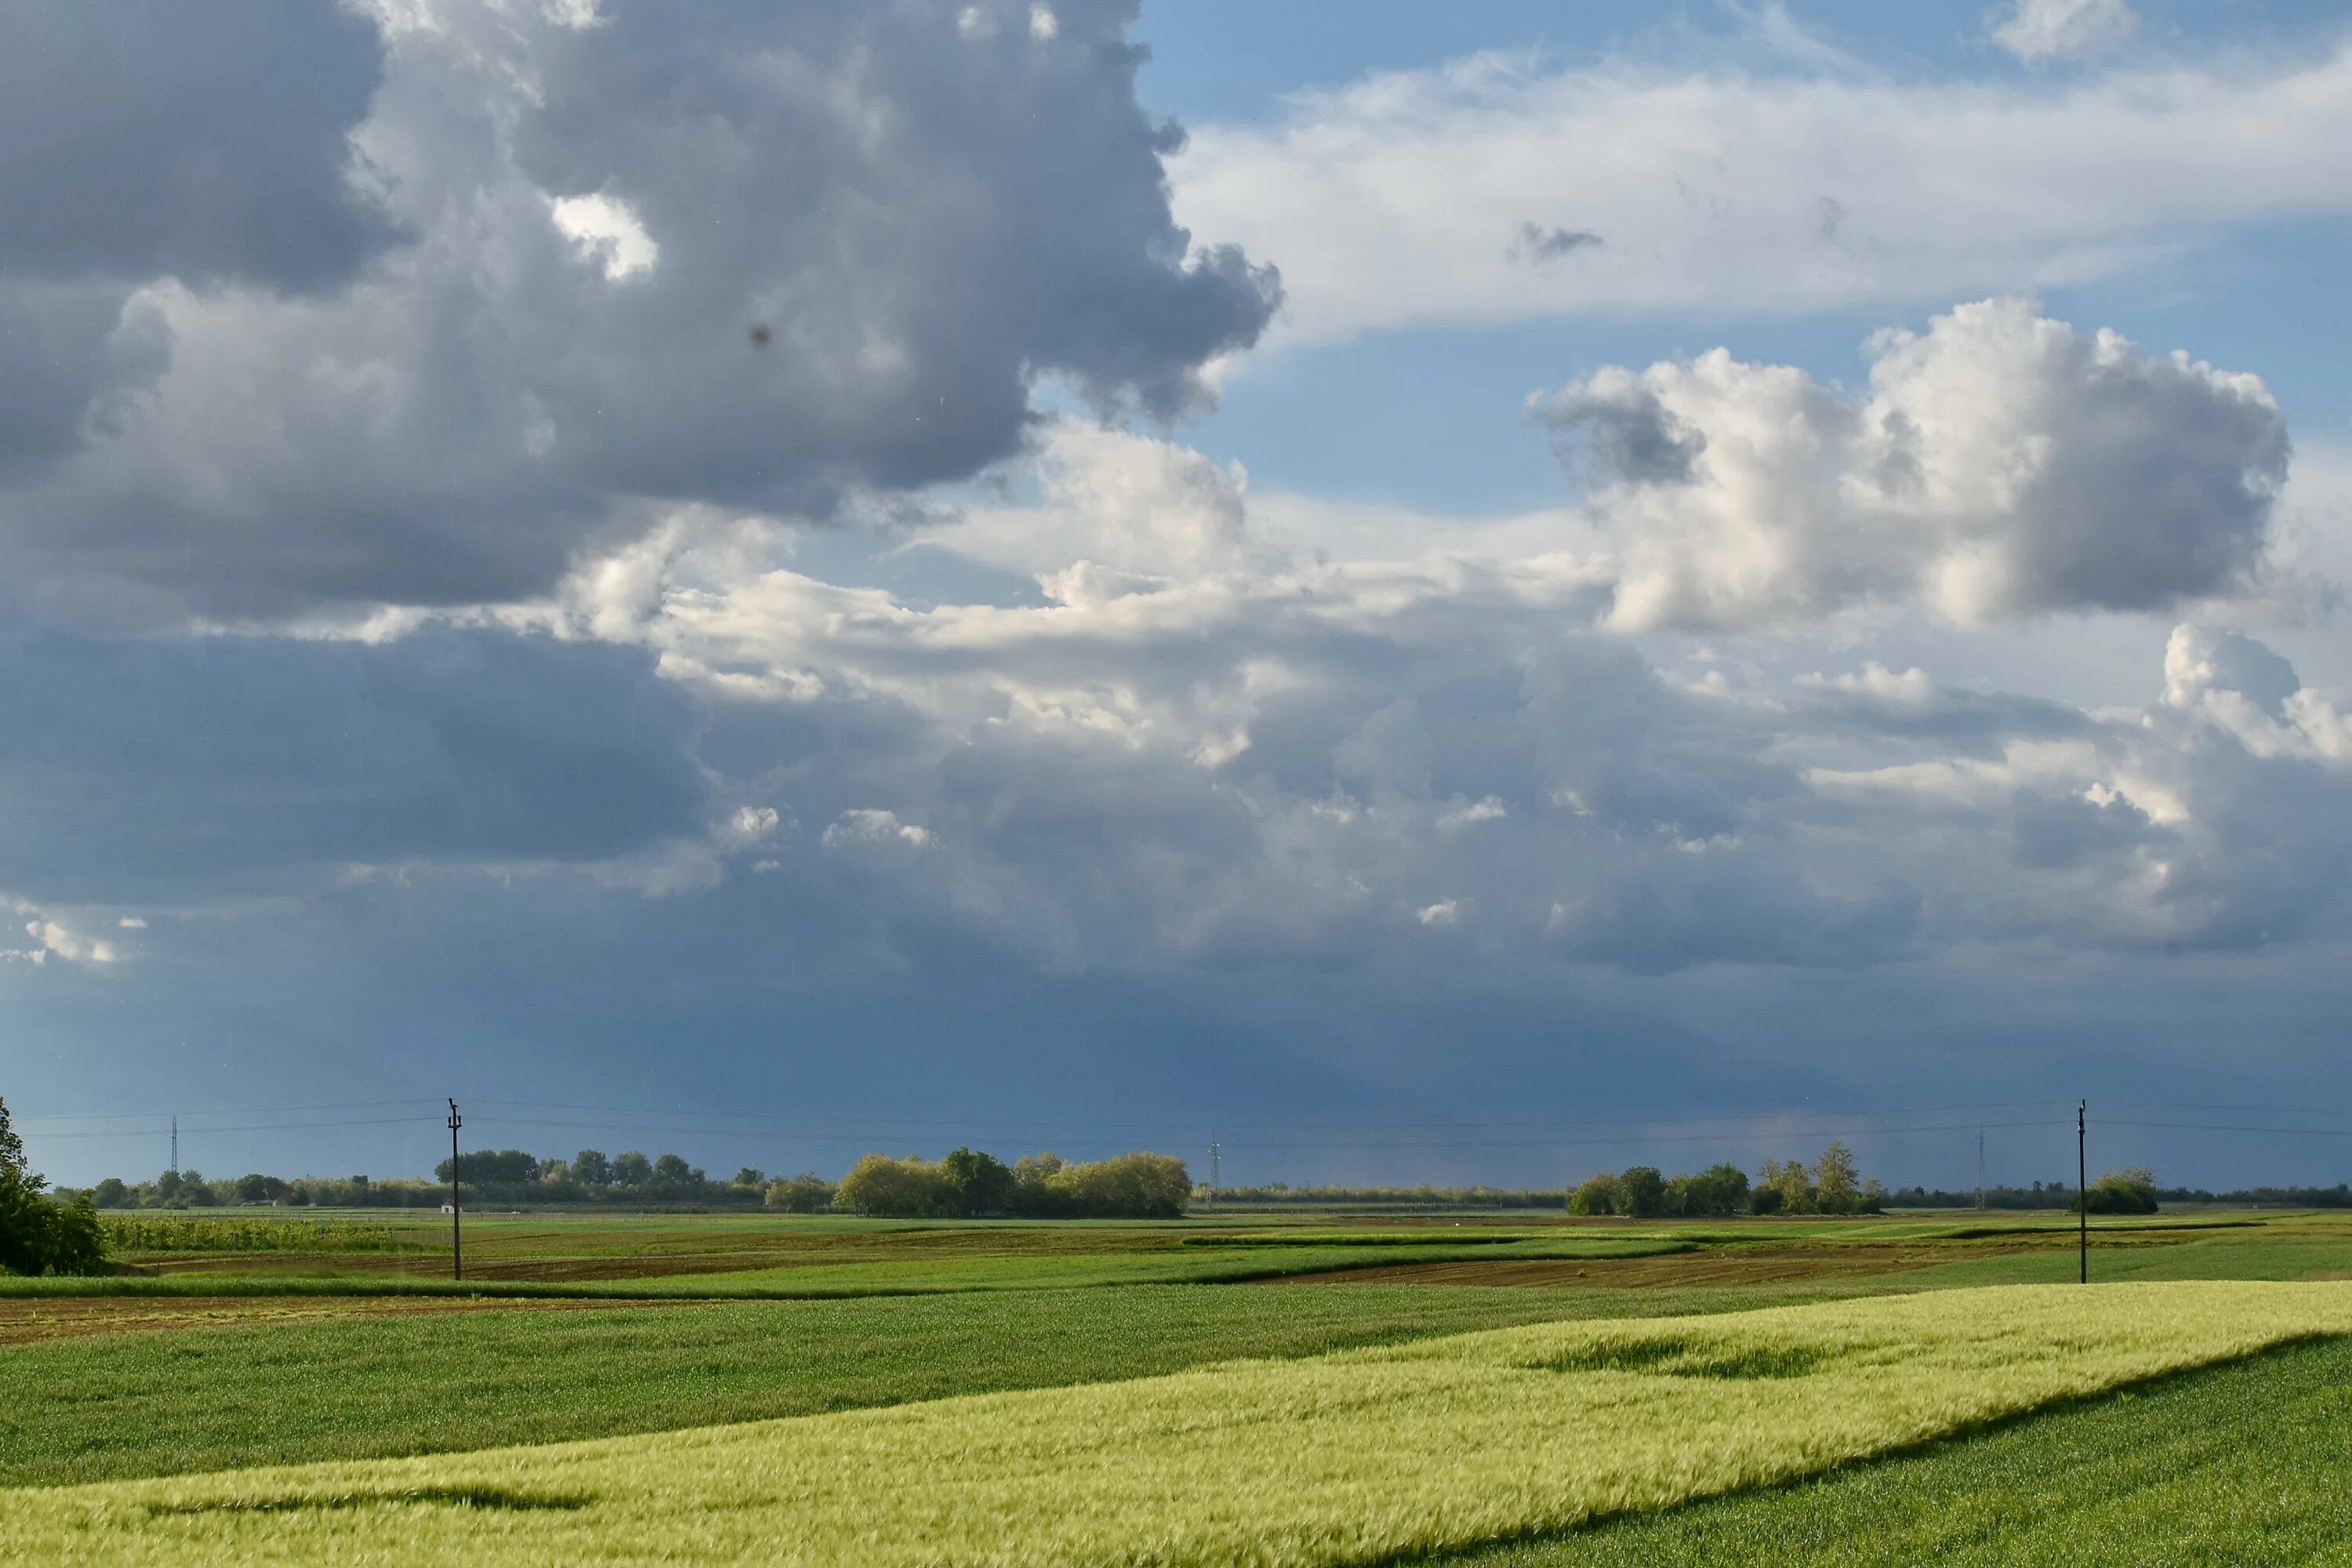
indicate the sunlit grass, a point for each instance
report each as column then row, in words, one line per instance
column 2240, row 1463
column 1346, row 1457
column 280, row 1392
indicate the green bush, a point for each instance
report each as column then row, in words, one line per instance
column 2131, row 1190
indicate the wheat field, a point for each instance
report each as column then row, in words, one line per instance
column 1350, row 1457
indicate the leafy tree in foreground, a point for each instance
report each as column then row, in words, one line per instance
column 38, row 1233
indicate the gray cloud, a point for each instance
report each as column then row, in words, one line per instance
column 197, row 771
column 1619, row 431
column 148, row 139
column 926, row 214
column 1536, row 243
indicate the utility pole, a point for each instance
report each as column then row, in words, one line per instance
column 1979, row 1169
column 1216, row 1165
column 175, row 1143
column 457, row 1202
column 2082, row 1186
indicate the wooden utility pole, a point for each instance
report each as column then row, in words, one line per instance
column 2083, row 1188
column 456, row 1201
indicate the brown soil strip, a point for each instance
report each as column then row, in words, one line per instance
column 1725, row 1266
column 23, row 1320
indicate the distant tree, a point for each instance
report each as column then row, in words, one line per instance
column 110, row 1194
column 807, row 1193
column 2131, row 1190
column 167, row 1186
column 1139, row 1185
column 1792, row 1182
column 1836, row 1183
column 253, row 1188
column 1720, row 1189
column 493, row 1167
column 977, row 1183
column 911, row 1188
column 591, row 1169
column 672, row 1172
column 1596, row 1195
column 1033, row 1189
column 632, row 1169
column 1763, row 1199
column 1134, row 1185
column 1644, row 1190
column 751, row 1176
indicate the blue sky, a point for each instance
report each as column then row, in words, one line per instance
column 1546, row 587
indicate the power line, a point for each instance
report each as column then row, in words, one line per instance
column 2217, row 1127
column 237, row 1110
column 258, row 1127
column 966, row 1122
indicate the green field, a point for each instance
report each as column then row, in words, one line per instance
column 1355, row 1455
column 2241, row 1463
column 1727, row 1357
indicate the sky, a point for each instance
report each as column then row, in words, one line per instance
column 1485, row 594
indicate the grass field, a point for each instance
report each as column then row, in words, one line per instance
column 93, row 1407
column 649, row 1336
column 2241, row 1463
column 1350, row 1457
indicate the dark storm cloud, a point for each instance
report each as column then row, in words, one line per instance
column 927, row 209
column 147, row 138
column 172, row 769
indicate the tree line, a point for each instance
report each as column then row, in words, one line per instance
column 1830, row 1186
column 965, row 1183
column 489, row 1177
column 971, row 1185
column 2131, row 1190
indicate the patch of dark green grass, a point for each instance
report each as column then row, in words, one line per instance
column 1668, row 1356
column 2248, row 1463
